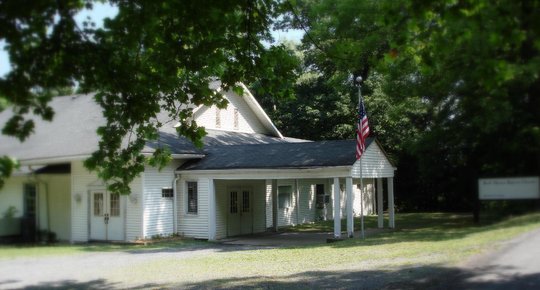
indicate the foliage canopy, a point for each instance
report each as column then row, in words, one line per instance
column 152, row 56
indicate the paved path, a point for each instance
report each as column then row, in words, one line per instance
column 515, row 266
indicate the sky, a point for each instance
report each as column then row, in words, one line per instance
column 103, row 10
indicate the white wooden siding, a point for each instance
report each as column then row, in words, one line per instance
column 374, row 164
column 268, row 198
column 134, row 217
column 11, row 195
column 287, row 216
column 193, row 225
column 308, row 207
column 368, row 197
column 80, row 179
column 56, row 188
column 259, row 206
column 222, row 208
column 158, row 211
column 247, row 120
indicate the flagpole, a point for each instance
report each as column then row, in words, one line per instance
column 359, row 82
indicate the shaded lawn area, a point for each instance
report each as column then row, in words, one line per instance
column 424, row 246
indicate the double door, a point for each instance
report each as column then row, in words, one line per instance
column 106, row 216
column 240, row 212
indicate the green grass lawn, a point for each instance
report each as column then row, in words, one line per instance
column 57, row 249
column 422, row 245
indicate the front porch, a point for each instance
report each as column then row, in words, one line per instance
column 251, row 206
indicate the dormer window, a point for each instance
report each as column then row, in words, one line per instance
column 218, row 118
column 235, row 119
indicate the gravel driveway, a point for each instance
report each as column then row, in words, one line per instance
column 89, row 270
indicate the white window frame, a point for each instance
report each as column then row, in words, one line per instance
column 186, row 197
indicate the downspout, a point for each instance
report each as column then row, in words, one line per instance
column 175, row 203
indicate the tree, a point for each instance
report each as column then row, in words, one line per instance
column 451, row 86
column 152, row 57
column 346, row 39
column 478, row 65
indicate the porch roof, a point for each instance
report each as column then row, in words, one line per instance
column 276, row 156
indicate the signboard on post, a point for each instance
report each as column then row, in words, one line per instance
column 509, row 188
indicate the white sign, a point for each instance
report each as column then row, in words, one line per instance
column 509, row 188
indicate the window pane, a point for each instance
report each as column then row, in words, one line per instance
column 115, row 205
column 234, row 202
column 29, row 200
column 284, row 196
column 98, row 204
column 245, row 201
column 235, row 119
column 192, row 197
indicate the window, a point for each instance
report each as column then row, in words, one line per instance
column 115, row 204
column 319, row 195
column 285, row 196
column 245, row 201
column 98, row 204
column 30, row 200
column 192, row 200
column 234, row 202
column 235, row 119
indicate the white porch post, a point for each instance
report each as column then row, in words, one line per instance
column 391, row 222
column 337, row 209
column 211, row 210
column 380, row 208
column 350, row 202
column 274, row 205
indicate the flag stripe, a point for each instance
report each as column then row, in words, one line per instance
column 362, row 130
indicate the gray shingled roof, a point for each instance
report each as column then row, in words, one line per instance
column 279, row 155
column 73, row 133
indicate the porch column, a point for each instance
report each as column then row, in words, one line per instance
column 274, row 205
column 350, row 202
column 337, row 209
column 211, row 210
column 380, row 208
column 391, row 222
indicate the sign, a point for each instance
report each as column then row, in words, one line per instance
column 509, row 188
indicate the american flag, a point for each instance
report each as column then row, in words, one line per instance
column 362, row 130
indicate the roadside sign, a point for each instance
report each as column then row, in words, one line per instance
column 509, row 188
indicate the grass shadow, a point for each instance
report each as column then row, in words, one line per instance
column 425, row 277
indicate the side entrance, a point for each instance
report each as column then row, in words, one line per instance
column 106, row 216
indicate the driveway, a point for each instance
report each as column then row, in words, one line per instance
column 516, row 265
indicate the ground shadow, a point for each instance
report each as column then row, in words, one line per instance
column 73, row 284
column 428, row 277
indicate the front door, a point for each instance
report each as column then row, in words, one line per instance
column 240, row 219
column 106, row 222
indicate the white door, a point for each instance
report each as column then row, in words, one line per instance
column 240, row 219
column 106, row 221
